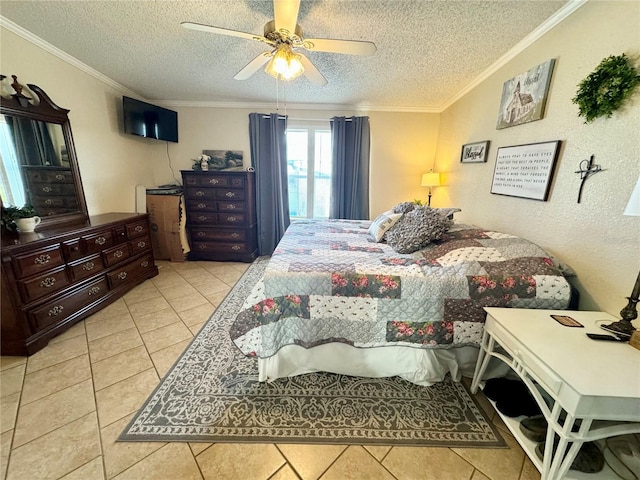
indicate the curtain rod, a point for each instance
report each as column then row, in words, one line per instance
column 347, row 119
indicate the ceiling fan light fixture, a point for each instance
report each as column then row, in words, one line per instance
column 285, row 64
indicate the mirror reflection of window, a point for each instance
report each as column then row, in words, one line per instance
column 11, row 184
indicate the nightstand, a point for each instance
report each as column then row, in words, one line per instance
column 593, row 383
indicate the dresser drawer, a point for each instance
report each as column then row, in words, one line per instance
column 43, row 259
column 232, row 219
column 57, row 310
column 138, row 229
column 231, row 206
column 86, row 267
column 49, row 282
column 140, row 245
column 202, row 205
column 131, row 270
column 116, row 254
column 203, row 218
column 97, row 242
column 230, row 194
column 236, row 247
column 200, row 193
column 206, row 180
column 224, row 235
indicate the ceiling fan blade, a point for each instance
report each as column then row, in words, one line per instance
column 253, row 66
column 285, row 13
column 311, row 72
column 223, row 31
column 351, row 47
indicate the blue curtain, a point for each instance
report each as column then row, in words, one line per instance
column 350, row 161
column 267, row 134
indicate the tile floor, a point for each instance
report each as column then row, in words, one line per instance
column 62, row 408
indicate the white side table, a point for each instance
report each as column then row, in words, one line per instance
column 595, row 382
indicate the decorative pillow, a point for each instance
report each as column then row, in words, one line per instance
column 404, row 207
column 416, row 229
column 382, row 224
column 447, row 212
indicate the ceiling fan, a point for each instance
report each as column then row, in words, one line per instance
column 285, row 37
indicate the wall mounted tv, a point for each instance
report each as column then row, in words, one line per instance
column 149, row 121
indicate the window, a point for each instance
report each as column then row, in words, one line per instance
column 309, row 170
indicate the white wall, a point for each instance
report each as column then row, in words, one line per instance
column 111, row 164
column 593, row 237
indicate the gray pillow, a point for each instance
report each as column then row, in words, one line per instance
column 416, row 229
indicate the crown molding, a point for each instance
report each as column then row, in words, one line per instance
column 46, row 46
column 518, row 48
column 295, row 106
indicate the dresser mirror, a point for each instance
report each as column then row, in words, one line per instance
column 39, row 164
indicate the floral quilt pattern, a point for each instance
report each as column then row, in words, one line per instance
column 326, row 282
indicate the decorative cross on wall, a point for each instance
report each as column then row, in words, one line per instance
column 586, row 169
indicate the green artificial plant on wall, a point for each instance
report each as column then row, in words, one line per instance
column 605, row 89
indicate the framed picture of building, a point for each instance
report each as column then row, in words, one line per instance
column 524, row 96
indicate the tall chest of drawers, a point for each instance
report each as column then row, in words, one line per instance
column 54, row 279
column 221, row 215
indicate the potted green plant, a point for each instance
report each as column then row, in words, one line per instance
column 12, row 218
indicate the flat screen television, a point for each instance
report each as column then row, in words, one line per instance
column 149, row 121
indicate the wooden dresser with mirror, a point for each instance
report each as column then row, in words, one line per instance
column 74, row 264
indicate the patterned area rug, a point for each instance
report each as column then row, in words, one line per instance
column 211, row 395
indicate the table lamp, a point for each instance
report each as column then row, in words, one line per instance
column 623, row 327
column 430, row 179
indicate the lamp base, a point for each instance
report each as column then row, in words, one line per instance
column 621, row 328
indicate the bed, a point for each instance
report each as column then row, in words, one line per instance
column 332, row 299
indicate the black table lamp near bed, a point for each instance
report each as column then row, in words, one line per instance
column 623, row 327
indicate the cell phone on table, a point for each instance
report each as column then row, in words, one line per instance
column 567, row 321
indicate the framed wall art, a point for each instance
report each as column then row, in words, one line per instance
column 474, row 152
column 525, row 171
column 524, row 97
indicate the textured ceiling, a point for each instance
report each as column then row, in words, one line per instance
column 428, row 50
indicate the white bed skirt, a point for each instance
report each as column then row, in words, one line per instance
column 416, row 365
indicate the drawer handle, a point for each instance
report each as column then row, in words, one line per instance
column 230, row 194
column 122, row 275
column 94, row 290
column 48, row 282
column 142, row 244
column 235, row 235
column 214, row 181
column 139, row 228
column 118, row 253
column 202, row 205
column 101, row 241
column 55, row 311
column 87, row 267
column 42, row 259
column 236, row 247
column 199, row 193
column 200, row 234
column 202, row 218
column 48, row 201
column 59, row 177
column 232, row 219
column 231, row 207
column 144, row 264
column 47, row 189
column 202, row 247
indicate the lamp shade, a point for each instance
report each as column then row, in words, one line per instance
column 633, row 207
column 430, row 179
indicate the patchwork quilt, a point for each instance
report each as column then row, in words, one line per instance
column 326, row 282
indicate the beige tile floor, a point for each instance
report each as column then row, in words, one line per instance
column 62, row 408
